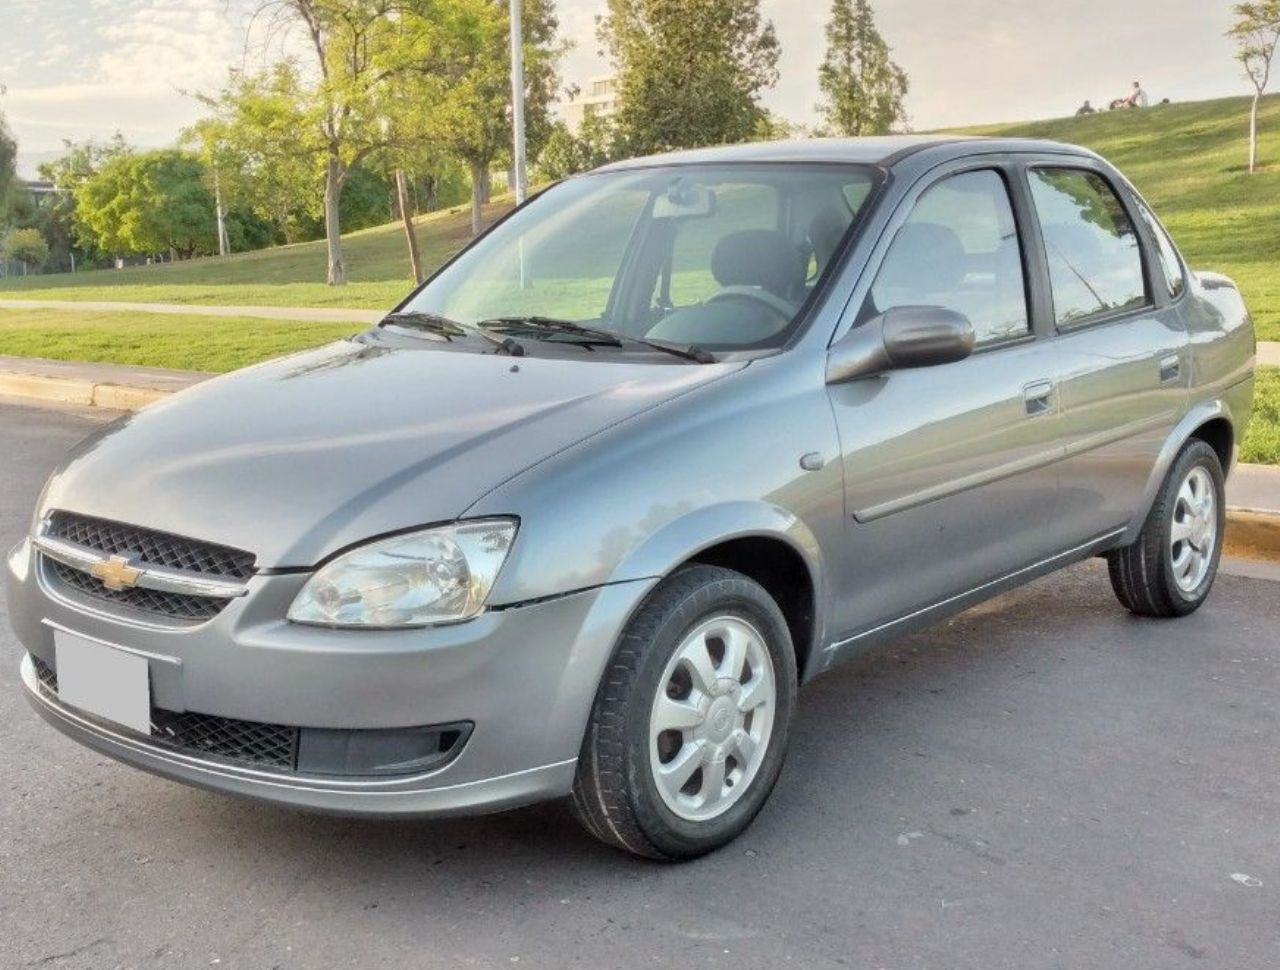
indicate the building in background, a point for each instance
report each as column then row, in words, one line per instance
column 599, row 96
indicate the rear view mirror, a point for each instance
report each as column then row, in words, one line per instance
column 685, row 200
column 907, row 336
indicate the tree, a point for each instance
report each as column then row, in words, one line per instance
column 689, row 73
column 148, row 202
column 273, row 161
column 564, row 153
column 862, row 88
column 469, row 67
column 27, row 246
column 70, row 244
column 1257, row 34
column 211, row 141
column 8, row 167
column 338, row 117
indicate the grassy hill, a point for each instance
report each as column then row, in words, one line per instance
column 1190, row 161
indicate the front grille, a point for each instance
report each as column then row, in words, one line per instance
column 147, row 547
column 177, row 606
column 243, row 742
column 152, row 547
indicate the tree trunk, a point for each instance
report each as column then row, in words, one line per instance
column 224, row 246
column 1253, row 134
column 477, row 198
column 332, row 221
column 402, row 200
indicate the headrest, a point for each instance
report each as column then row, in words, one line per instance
column 759, row 257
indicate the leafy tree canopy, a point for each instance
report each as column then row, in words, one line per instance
column 27, row 246
column 148, row 202
column 862, row 88
column 689, row 73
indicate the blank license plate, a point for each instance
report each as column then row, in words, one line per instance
column 104, row 681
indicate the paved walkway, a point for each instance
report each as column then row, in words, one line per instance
column 319, row 314
column 1269, row 353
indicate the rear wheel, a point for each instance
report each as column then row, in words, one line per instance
column 1170, row 569
column 689, row 727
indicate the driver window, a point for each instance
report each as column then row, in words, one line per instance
column 959, row 249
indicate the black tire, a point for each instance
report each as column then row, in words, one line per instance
column 1142, row 574
column 614, row 795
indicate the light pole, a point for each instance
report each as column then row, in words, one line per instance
column 517, row 101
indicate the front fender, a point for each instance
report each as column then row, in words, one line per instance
column 684, row 537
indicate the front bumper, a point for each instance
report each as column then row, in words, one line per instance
column 525, row 676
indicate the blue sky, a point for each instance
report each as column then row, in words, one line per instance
column 83, row 68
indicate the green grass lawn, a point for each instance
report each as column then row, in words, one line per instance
column 155, row 340
column 377, row 266
column 1262, row 443
column 1190, row 161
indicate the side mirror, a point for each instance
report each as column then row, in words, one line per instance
column 906, row 336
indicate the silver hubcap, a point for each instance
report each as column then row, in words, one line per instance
column 712, row 719
column 1195, row 530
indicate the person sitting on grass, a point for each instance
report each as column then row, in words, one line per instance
column 1085, row 109
column 1137, row 97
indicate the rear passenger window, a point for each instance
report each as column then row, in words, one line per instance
column 959, row 249
column 1170, row 263
column 1095, row 263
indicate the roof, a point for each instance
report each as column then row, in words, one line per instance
column 880, row 150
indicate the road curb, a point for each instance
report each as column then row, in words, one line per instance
column 1253, row 535
column 63, row 390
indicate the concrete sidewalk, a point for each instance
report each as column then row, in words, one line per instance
column 1268, row 354
column 315, row 314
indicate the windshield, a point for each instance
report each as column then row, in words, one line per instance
column 716, row 257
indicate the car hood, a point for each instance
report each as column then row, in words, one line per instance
column 300, row 457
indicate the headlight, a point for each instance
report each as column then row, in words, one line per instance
column 438, row 575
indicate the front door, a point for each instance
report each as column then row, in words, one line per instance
column 950, row 471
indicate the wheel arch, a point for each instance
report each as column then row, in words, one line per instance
column 1208, row 421
column 759, row 540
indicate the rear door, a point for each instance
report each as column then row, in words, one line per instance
column 1121, row 342
column 950, row 471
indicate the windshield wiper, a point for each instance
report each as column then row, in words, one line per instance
column 688, row 351
column 434, row 323
column 603, row 337
column 607, row 337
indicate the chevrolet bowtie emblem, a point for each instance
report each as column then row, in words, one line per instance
column 115, row 573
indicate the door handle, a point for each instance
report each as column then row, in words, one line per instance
column 1038, row 396
column 1170, row 368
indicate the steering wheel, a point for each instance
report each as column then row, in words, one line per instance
column 775, row 303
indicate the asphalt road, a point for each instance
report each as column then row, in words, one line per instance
column 1043, row 782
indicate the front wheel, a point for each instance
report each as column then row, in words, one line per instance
column 1170, row 569
column 689, row 728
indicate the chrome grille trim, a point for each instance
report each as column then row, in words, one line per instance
column 158, row 578
column 132, row 573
